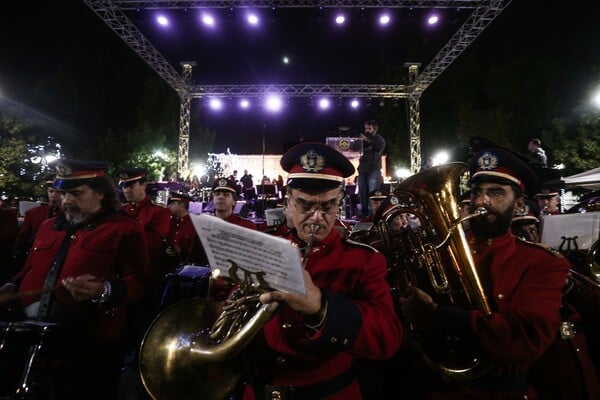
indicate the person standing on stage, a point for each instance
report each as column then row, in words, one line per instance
column 369, row 164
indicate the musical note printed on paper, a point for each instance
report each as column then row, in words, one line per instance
column 228, row 244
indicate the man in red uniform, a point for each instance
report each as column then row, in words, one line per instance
column 154, row 217
column 376, row 197
column 32, row 220
column 309, row 348
column 522, row 282
column 548, row 202
column 155, row 220
column 225, row 195
column 85, row 266
column 184, row 246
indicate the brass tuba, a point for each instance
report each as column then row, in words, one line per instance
column 430, row 251
column 193, row 349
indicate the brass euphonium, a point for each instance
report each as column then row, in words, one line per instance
column 192, row 350
column 433, row 254
column 587, row 272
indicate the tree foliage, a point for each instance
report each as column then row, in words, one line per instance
column 575, row 144
column 23, row 151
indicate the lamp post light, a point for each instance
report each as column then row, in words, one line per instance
column 596, row 98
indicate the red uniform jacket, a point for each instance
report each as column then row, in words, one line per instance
column 31, row 222
column 523, row 282
column 156, row 220
column 361, row 321
column 109, row 247
column 237, row 220
column 182, row 236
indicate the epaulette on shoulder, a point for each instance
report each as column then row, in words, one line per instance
column 543, row 246
column 359, row 244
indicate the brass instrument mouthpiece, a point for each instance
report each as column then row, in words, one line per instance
column 480, row 211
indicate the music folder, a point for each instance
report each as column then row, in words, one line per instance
column 266, row 190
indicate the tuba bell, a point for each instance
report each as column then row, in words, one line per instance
column 194, row 349
column 429, row 250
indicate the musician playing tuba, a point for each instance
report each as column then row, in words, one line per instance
column 309, row 348
column 522, row 281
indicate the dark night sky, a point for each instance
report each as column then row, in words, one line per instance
column 80, row 78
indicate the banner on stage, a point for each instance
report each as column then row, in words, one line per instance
column 351, row 147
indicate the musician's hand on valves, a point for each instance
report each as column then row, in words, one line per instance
column 310, row 304
column 418, row 307
column 84, row 287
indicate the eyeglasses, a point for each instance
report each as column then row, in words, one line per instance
column 309, row 207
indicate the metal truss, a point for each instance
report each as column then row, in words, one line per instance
column 300, row 90
column 484, row 12
column 164, row 4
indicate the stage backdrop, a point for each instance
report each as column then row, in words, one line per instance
column 255, row 163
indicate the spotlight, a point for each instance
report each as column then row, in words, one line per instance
column 208, row 20
column 252, row 19
column 273, row 103
column 162, row 20
column 340, row 19
column 354, row 103
column 433, row 19
column 324, row 103
column 215, row 104
column 384, row 19
column 244, row 104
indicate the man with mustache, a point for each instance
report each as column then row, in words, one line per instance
column 85, row 267
column 522, row 282
column 311, row 347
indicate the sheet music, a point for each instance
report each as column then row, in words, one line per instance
column 250, row 250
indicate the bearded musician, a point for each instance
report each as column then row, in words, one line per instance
column 523, row 282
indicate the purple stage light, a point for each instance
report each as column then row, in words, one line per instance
column 324, row 103
column 244, row 104
column 340, row 19
column 215, row 104
column 162, row 20
column 384, row 19
column 208, row 20
column 273, row 103
column 433, row 19
column 252, row 19
column 354, row 103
